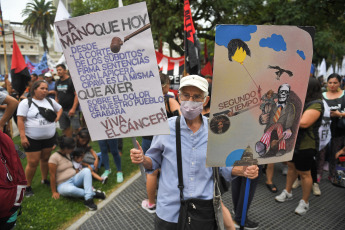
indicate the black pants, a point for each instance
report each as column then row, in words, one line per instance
column 164, row 225
column 238, row 187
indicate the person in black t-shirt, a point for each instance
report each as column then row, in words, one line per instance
column 67, row 98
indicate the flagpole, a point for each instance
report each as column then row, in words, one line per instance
column 185, row 45
column 5, row 56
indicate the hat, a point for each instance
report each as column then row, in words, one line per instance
column 196, row 81
column 48, row 74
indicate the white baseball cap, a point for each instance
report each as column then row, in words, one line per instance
column 196, row 81
column 48, row 74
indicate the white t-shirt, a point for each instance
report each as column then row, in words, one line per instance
column 36, row 126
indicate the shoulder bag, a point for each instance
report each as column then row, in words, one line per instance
column 48, row 114
column 197, row 214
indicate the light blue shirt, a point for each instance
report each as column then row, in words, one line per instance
column 197, row 179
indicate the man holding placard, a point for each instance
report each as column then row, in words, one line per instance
column 198, row 180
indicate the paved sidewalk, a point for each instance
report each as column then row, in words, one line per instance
column 124, row 211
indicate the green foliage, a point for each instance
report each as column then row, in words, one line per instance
column 166, row 17
column 40, row 19
column 41, row 211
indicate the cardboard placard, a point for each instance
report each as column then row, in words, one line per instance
column 112, row 62
column 258, row 70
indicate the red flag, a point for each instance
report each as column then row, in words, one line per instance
column 19, row 72
column 205, row 53
column 191, row 43
column 160, row 49
column 207, row 70
column 173, row 67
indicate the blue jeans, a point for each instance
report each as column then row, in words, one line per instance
column 114, row 151
column 80, row 185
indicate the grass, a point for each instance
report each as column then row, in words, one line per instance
column 41, row 211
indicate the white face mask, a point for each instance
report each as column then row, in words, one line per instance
column 191, row 109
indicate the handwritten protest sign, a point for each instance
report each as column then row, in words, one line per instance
column 113, row 66
column 261, row 75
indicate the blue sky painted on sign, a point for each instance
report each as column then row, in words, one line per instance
column 301, row 54
column 225, row 33
column 234, row 156
column 275, row 42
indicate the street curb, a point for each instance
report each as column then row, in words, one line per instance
column 89, row 214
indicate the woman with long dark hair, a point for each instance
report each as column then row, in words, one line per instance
column 334, row 98
column 306, row 148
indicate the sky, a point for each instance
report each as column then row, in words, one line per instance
column 12, row 9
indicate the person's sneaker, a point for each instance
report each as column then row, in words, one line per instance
column 302, row 208
column 248, row 225
column 106, row 173
column 119, row 176
column 105, row 179
column 89, row 203
column 316, row 189
column 29, row 192
column 46, row 182
column 151, row 208
column 284, row 196
column 296, row 184
column 99, row 195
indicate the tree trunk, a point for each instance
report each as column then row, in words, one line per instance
column 44, row 41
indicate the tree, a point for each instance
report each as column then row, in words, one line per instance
column 40, row 19
column 166, row 17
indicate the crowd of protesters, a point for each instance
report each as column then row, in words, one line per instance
column 73, row 166
column 308, row 163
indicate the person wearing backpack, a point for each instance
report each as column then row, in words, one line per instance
column 307, row 144
column 12, row 177
column 36, row 124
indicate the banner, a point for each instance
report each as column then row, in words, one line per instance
column 112, row 61
column 173, row 67
column 31, row 66
column 42, row 66
column 191, row 42
column 51, row 64
column 37, row 68
column 260, row 80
